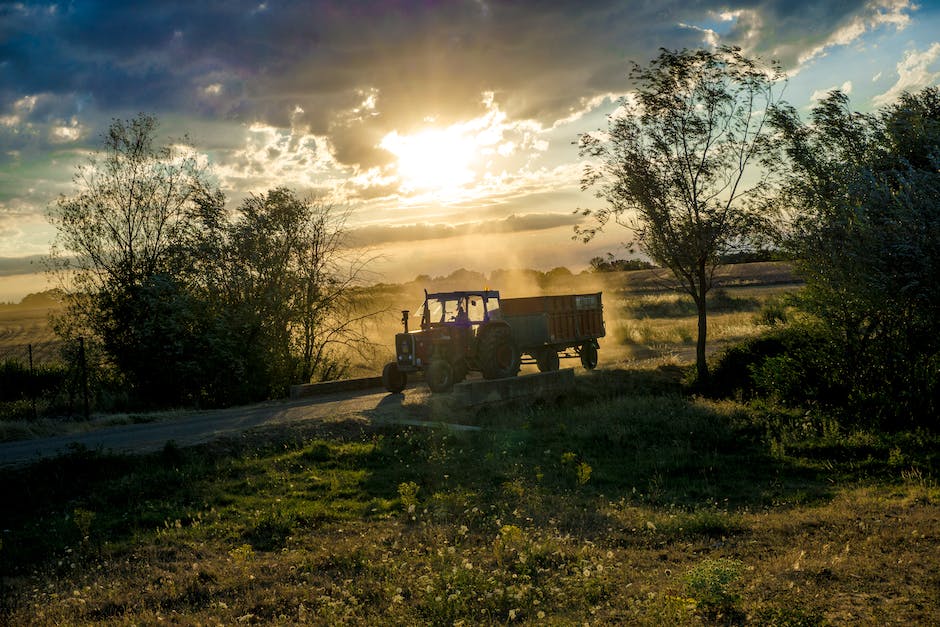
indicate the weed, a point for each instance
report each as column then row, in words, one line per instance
column 714, row 584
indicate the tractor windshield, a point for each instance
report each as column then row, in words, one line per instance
column 456, row 309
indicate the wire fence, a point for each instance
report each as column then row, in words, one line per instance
column 44, row 379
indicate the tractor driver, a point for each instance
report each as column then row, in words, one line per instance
column 462, row 318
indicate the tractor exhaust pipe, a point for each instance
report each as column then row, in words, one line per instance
column 404, row 319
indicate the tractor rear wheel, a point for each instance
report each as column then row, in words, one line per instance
column 498, row 355
column 440, row 376
column 589, row 356
column 394, row 379
column 547, row 360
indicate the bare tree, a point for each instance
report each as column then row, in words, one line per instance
column 676, row 164
column 133, row 199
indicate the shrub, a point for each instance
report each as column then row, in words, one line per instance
column 793, row 365
column 713, row 583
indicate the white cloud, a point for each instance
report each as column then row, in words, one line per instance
column 879, row 13
column 66, row 132
column 819, row 94
column 914, row 72
column 274, row 157
column 586, row 106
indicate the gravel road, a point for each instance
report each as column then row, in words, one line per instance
column 203, row 426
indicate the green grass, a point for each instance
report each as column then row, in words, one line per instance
column 612, row 508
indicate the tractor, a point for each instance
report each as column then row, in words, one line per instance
column 460, row 332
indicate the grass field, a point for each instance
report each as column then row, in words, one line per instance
column 630, row 503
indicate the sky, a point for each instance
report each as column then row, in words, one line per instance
column 448, row 129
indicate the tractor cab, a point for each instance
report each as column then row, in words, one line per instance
column 460, row 332
column 460, row 309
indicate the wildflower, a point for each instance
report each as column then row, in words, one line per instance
column 512, row 614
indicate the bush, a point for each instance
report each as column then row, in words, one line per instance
column 714, row 583
column 791, row 365
column 18, row 383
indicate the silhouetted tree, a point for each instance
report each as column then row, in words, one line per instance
column 675, row 164
column 119, row 250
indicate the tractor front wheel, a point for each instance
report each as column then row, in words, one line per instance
column 394, row 379
column 499, row 356
column 440, row 376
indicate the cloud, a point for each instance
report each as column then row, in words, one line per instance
column 913, row 73
column 375, row 235
column 819, row 94
column 544, row 61
column 854, row 23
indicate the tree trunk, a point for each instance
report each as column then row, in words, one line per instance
column 700, row 304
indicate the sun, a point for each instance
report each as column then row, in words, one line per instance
column 434, row 161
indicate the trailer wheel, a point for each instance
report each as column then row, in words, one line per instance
column 589, row 356
column 440, row 376
column 547, row 360
column 394, row 379
column 499, row 356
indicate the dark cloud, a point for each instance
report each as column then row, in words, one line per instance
column 376, row 235
column 259, row 61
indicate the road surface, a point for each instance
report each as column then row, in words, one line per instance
column 203, row 426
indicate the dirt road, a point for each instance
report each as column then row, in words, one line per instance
column 203, row 426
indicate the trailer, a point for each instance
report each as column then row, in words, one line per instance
column 476, row 330
column 550, row 328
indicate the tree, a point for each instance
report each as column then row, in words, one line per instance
column 610, row 264
column 281, row 277
column 133, row 202
column 119, row 250
column 676, row 164
column 865, row 190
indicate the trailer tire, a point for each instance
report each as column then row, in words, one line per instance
column 589, row 356
column 440, row 376
column 547, row 360
column 394, row 379
column 499, row 356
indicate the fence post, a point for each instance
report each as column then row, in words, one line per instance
column 32, row 382
column 84, row 374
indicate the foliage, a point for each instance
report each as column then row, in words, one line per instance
column 280, row 279
column 17, row 382
column 610, row 264
column 713, row 582
column 675, row 160
column 791, row 365
column 183, row 301
column 865, row 189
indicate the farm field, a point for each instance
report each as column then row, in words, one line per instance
column 629, row 503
